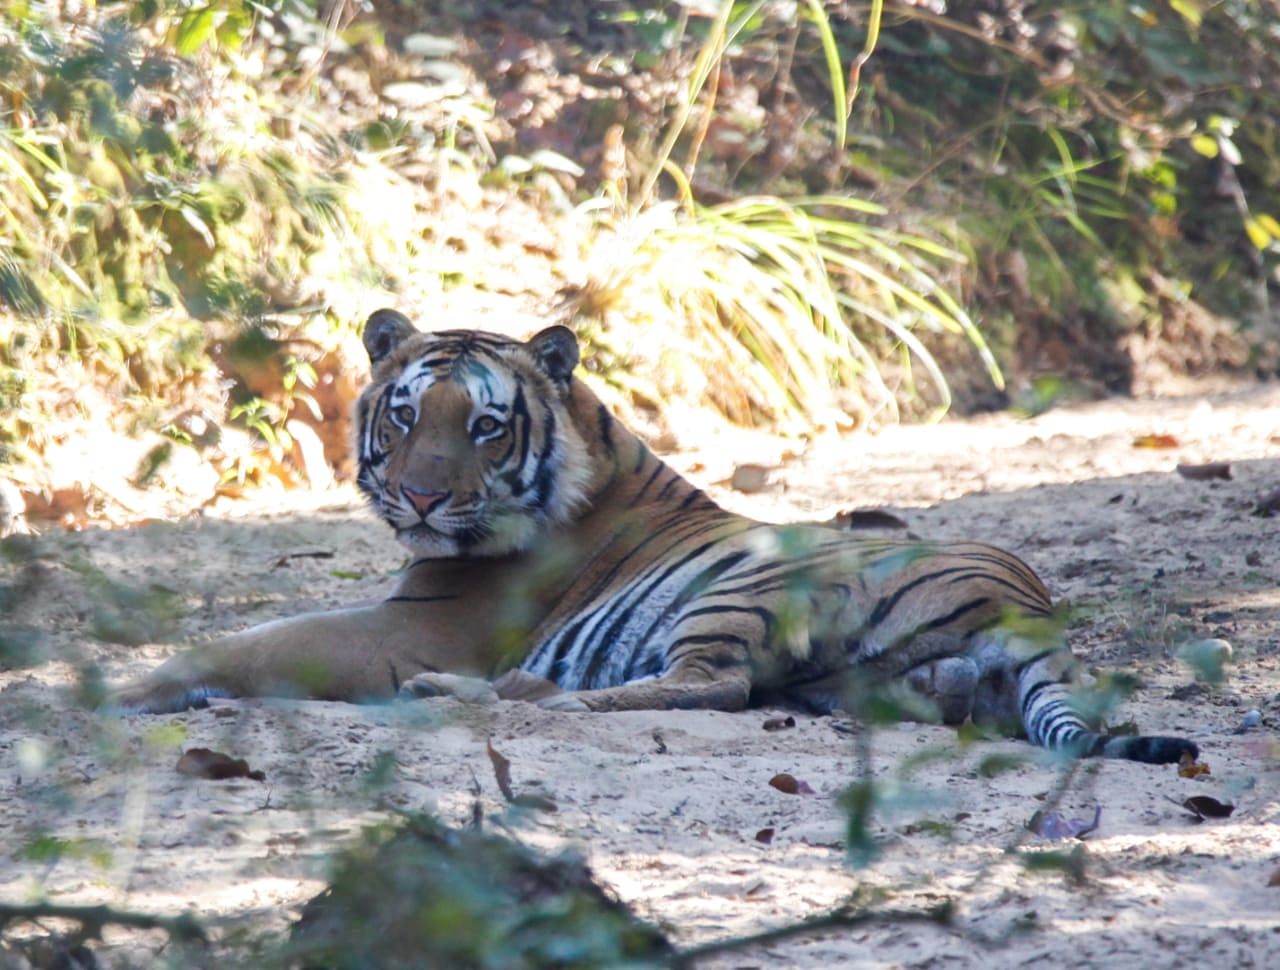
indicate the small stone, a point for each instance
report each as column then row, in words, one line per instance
column 749, row 479
column 1251, row 719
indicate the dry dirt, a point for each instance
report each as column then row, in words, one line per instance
column 667, row 805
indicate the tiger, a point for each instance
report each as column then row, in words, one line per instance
column 556, row 559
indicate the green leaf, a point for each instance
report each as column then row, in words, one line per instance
column 1189, row 10
column 1259, row 236
column 1270, row 224
column 194, row 31
column 1206, row 145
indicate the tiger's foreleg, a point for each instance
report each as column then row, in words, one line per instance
column 353, row 655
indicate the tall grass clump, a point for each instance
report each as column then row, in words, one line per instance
column 777, row 310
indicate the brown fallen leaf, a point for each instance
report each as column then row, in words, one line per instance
column 1189, row 767
column 501, row 771
column 203, row 763
column 1206, row 472
column 790, row 785
column 1269, row 504
column 1275, row 879
column 1203, row 807
column 867, row 519
column 779, row 723
column 765, row 835
column 1155, row 441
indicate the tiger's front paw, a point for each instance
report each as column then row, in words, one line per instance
column 469, row 690
column 158, row 697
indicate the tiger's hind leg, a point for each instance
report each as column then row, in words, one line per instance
column 947, row 688
column 1033, row 683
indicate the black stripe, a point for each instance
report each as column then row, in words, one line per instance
column 1010, row 562
column 696, row 494
column 544, row 475
column 616, row 621
column 675, row 480
column 677, row 530
column 941, row 621
column 884, row 606
column 706, row 639
column 604, row 422
column 560, row 645
column 1038, row 607
column 692, row 590
column 522, row 430
column 658, row 470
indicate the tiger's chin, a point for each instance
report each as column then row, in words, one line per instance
column 493, row 536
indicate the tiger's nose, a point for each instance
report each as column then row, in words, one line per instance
column 423, row 502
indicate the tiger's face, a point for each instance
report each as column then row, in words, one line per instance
column 465, row 443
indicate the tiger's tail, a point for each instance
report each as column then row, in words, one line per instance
column 1052, row 719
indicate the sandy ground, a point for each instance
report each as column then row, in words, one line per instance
column 667, row 805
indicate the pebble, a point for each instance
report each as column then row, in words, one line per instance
column 1252, row 719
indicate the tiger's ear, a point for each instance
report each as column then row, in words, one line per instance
column 556, row 350
column 384, row 331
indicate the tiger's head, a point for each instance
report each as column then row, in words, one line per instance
column 465, row 442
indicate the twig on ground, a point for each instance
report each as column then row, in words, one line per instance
column 835, row 919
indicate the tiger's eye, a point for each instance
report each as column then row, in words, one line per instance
column 403, row 415
column 485, row 425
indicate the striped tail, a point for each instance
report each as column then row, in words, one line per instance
column 1051, row 720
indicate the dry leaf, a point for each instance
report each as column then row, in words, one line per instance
column 790, row 785
column 1189, row 767
column 203, row 763
column 1052, row 825
column 765, row 835
column 1203, row 807
column 779, row 723
column 501, row 771
column 1155, row 441
column 1275, row 879
column 1206, row 472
